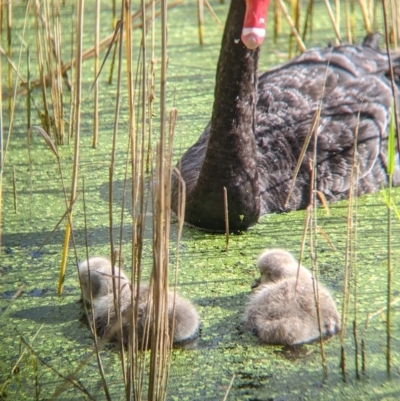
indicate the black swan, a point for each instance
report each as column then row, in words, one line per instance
column 283, row 310
column 259, row 124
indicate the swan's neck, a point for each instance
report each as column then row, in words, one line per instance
column 230, row 159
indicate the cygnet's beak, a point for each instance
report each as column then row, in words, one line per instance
column 256, row 283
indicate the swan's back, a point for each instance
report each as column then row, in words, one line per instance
column 343, row 92
column 356, row 100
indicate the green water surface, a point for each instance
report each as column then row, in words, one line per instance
column 218, row 282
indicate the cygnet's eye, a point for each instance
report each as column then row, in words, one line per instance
column 266, row 277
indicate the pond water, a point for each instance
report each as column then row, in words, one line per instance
column 218, row 282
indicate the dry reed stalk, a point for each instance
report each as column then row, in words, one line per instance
column 308, row 19
column 161, row 340
column 89, row 53
column 293, row 29
column 96, row 71
column 297, row 13
column 14, row 191
column 45, row 115
column 71, row 123
column 9, row 70
column 114, row 14
column 160, row 337
column 112, row 64
column 70, row 379
column 313, row 128
column 350, row 258
column 303, row 242
column 229, row 388
column 138, row 166
column 348, row 21
column 394, row 20
column 60, row 220
column 295, row 9
column 136, row 367
column 54, row 56
column 379, row 312
column 200, row 20
column 93, row 329
column 28, row 97
column 354, row 272
column 277, row 20
column 337, row 13
column 57, row 87
column 151, row 84
column 313, row 131
column 77, row 120
column 226, row 219
column 11, row 120
column 1, row 156
column 52, row 51
column 393, row 135
column 173, row 116
column 313, row 246
column 371, row 6
column 389, row 280
column 117, row 299
column 366, row 13
column 14, row 369
column 13, row 66
column 397, row 21
column 212, row 12
column 335, row 24
column 54, row 150
column 36, row 377
column 311, row 221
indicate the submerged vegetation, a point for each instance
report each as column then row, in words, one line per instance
column 47, row 350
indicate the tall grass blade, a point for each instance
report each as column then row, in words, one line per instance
column 292, row 26
column 96, row 70
column 200, row 20
column 77, row 120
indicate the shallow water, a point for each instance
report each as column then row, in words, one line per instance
column 217, row 281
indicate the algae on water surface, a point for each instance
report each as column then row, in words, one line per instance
column 217, row 281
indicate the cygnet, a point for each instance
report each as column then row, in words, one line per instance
column 283, row 308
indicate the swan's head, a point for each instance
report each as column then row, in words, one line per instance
column 277, row 264
column 253, row 31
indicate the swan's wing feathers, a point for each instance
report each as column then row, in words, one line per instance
column 356, row 102
column 359, row 109
column 189, row 166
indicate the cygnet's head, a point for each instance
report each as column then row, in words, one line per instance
column 278, row 264
column 100, row 272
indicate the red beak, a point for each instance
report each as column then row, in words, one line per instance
column 253, row 32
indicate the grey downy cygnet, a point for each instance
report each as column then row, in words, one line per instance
column 104, row 319
column 186, row 324
column 181, row 313
column 283, row 310
column 101, row 275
